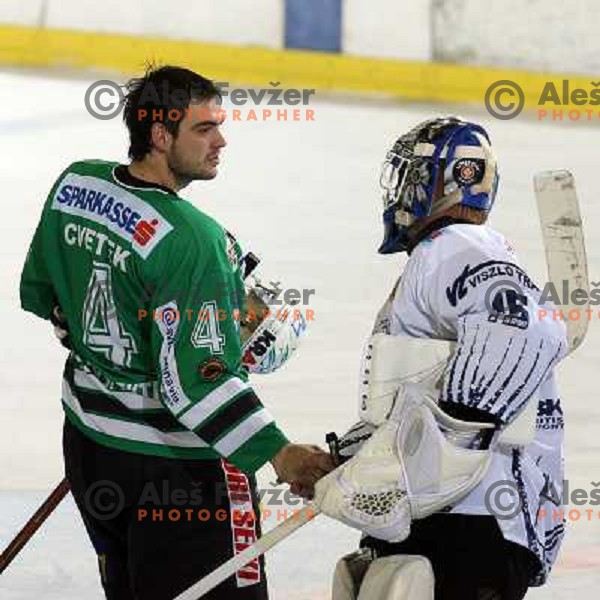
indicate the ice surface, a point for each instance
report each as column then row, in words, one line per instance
column 304, row 196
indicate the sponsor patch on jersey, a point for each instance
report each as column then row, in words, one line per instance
column 469, row 171
column 211, row 369
column 244, row 532
column 472, row 277
column 120, row 211
column 550, row 415
column 172, row 391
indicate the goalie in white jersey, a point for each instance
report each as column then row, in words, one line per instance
column 457, row 383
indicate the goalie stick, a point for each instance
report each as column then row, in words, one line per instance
column 562, row 231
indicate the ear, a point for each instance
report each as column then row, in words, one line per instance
column 161, row 137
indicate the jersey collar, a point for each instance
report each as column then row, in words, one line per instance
column 124, row 177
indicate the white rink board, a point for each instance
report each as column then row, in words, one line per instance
column 303, row 196
column 387, row 29
column 537, row 35
column 22, row 12
column 259, row 22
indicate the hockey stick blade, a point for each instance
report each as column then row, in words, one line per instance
column 265, row 543
column 562, row 231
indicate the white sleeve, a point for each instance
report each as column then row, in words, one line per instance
column 466, row 285
column 496, row 368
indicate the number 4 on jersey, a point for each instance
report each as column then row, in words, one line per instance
column 207, row 333
column 102, row 330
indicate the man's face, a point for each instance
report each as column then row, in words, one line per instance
column 194, row 151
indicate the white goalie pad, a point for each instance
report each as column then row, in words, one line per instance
column 389, row 362
column 349, row 573
column 400, row 577
column 411, row 467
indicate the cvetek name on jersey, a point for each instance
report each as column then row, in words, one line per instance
column 97, row 243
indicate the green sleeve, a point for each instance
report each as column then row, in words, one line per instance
column 36, row 291
column 196, row 345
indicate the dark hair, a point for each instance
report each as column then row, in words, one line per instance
column 160, row 92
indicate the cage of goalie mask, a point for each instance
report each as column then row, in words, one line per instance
column 440, row 163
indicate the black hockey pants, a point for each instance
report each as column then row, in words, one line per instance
column 158, row 524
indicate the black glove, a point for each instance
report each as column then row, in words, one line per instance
column 61, row 327
column 344, row 448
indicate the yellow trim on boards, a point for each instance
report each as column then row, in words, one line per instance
column 420, row 81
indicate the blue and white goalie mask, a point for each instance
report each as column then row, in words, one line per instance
column 440, row 163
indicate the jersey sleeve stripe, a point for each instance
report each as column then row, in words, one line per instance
column 197, row 414
column 103, row 405
column 127, row 430
column 240, row 408
column 241, row 434
column 131, row 400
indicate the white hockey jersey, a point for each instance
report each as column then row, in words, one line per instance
column 464, row 283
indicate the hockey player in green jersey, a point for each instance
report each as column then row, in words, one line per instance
column 149, row 290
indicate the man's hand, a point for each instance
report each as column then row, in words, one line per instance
column 302, row 466
column 61, row 327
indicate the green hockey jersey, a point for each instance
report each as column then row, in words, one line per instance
column 152, row 293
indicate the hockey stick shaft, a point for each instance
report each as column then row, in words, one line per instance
column 265, row 543
column 34, row 523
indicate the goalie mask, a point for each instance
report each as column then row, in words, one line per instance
column 440, row 163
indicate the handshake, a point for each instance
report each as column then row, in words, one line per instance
column 302, row 465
